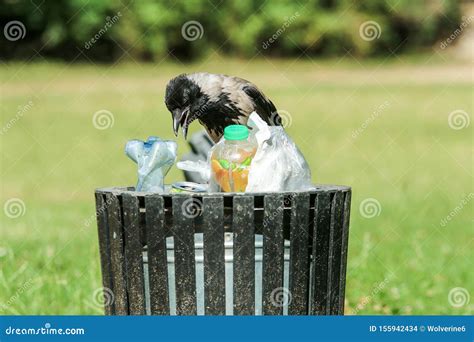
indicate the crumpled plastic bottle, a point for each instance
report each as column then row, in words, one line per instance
column 154, row 159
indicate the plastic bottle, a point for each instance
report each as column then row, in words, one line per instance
column 231, row 160
column 154, row 159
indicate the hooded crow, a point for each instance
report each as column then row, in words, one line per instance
column 216, row 101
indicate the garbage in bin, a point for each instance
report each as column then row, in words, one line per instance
column 154, row 158
column 277, row 164
column 188, row 187
column 231, row 159
column 201, row 167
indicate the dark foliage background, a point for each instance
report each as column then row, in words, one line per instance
column 151, row 30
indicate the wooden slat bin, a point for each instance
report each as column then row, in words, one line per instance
column 224, row 254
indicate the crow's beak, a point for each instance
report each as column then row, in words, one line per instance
column 185, row 131
column 177, row 114
column 180, row 119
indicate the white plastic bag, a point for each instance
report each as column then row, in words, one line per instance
column 278, row 164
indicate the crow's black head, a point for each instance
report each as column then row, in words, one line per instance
column 183, row 99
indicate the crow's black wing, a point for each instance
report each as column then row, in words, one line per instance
column 263, row 106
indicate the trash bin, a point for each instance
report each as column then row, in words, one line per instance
column 222, row 253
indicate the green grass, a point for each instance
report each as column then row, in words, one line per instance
column 402, row 261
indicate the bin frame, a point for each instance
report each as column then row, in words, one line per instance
column 315, row 222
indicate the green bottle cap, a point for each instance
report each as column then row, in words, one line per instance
column 236, row 132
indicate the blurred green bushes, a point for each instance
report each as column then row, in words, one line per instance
column 107, row 30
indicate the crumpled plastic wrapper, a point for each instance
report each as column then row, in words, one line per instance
column 202, row 167
column 154, row 159
column 278, row 164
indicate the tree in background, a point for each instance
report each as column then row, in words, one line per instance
column 109, row 30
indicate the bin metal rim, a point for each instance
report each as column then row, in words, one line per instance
column 318, row 188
